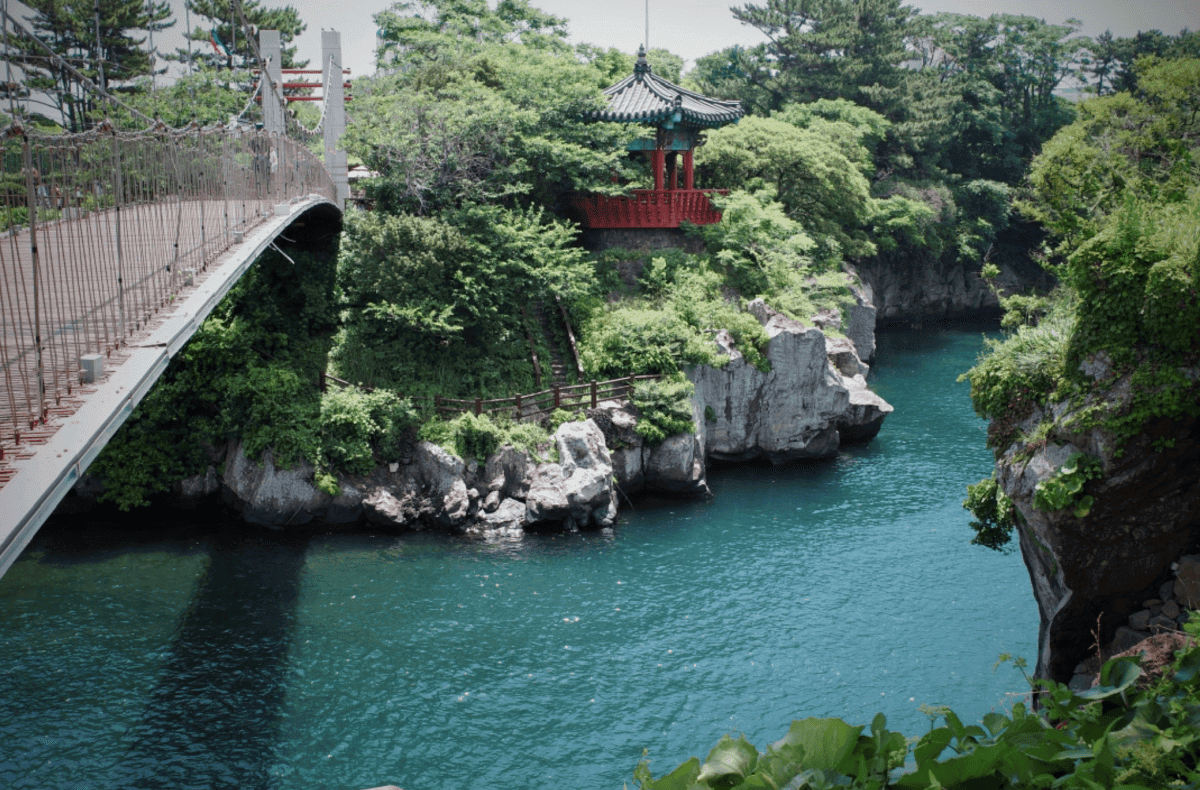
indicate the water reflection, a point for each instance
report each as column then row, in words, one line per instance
column 213, row 717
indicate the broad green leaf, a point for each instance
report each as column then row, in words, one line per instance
column 1117, row 675
column 1105, row 761
column 815, row 779
column 777, row 767
column 682, row 778
column 730, row 758
column 995, row 722
column 931, row 745
column 957, row 771
column 828, row 743
column 1189, row 665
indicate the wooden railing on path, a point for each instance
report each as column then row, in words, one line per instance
column 536, row 404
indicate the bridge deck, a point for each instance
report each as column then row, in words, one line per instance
column 40, row 463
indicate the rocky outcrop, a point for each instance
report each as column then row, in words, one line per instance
column 1108, row 562
column 266, row 495
column 675, row 467
column 509, row 493
column 919, row 288
column 812, row 399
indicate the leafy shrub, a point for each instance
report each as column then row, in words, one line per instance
column 995, row 514
column 639, row 340
column 664, row 408
column 1064, row 488
column 1025, row 367
column 468, row 436
column 275, row 408
column 355, row 425
column 16, row 217
column 1118, row 734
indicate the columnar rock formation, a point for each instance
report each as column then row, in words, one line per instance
column 813, row 399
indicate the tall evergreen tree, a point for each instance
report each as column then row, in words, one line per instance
column 113, row 60
column 219, row 40
column 826, row 49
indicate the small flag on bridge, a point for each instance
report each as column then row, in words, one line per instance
column 217, row 44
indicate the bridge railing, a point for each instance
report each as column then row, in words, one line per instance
column 100, row 231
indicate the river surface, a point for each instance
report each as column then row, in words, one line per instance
column 206, row 656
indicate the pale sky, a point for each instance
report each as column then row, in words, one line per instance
column 692, row 28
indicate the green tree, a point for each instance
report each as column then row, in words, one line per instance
column 739, row 73
column 826, row 49
column 434, row 303
column 984, row 100
column 617, row 65
column 203, row 96
column 219, row 39
column 468, row 122
column 114, row 61
column 413, row 31
column 805, row 169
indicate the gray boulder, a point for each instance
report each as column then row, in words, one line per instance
column 676, row 466
column 587, row 473
column 547, row 501
column 441, row 476
column 508, row 471
column 381, row 506
column 269, row 496
column 507, row 520
column 791, row 412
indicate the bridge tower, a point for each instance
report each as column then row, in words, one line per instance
column 333, row 85
column 272, row 97
column 335, row 113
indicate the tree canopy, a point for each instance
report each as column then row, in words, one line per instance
column 114, row 60
column 220, row 39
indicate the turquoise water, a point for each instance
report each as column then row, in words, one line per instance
column 213, row 658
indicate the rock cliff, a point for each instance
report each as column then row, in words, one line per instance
column 814, row 399
column 912, row 290
column 1109, row 562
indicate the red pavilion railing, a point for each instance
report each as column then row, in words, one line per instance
column 647, row 208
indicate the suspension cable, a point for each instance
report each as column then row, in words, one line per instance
column 62, row 63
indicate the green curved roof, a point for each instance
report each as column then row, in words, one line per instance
column 644, row 97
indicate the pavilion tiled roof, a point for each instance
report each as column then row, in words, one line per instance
column 644, row 97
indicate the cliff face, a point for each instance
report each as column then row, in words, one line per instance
column 1113, row 561
column 813, row 399
column 912, row 290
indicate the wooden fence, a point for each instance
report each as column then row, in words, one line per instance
column 572, row 396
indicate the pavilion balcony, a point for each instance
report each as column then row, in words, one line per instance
column 647, row 208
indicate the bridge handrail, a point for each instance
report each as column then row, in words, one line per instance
column 105, row 229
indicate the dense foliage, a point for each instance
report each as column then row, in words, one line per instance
column 85, row 35
column 1125, row 732
column 1119, row 190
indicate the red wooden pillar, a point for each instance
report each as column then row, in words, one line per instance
column 657, row 160
column 689, row 178
column 673, row 178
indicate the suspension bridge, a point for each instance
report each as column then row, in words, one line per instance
column 114, row 248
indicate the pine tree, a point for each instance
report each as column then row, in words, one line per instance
column 219, row 39
column 114, row 61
